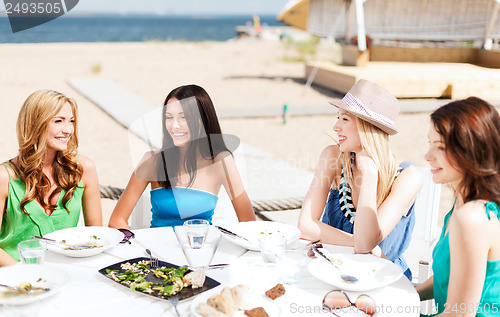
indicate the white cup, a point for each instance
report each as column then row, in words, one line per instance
column 32, row 251
column 196, row 231
column 272, row 247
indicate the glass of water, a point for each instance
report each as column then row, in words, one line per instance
column 32, row 251
column 272, row 247
column 196, row 231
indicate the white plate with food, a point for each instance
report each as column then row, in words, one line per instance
column 253, row 230
column 40, row 281
column 371, row 271
column 99, row 238
column 232, row 301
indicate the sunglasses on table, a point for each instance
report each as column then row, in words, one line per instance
column 127, row 235
column 337, row 300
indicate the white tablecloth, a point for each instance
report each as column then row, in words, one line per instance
column 90, row 294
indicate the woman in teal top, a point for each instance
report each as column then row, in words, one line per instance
column 465, row 153
column 187, row 173
column 44, row 187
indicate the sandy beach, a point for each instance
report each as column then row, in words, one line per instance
column 237, row 75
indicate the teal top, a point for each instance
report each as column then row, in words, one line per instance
column 490, row 298
column 172, row 206
column 17, row 226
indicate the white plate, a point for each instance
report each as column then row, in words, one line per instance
column 372, row 272
column 107, row 237
column 41, row 275
column 257, row 300
column 252, row 231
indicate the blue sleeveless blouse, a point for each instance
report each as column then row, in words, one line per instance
column 172, row 206
column 393, row 246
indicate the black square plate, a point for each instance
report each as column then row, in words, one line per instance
column 184, row 294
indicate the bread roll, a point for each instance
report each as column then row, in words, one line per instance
column 220, row 303
column 226, row 293
column 208, row 311
column 241, row 296
column 195, row 278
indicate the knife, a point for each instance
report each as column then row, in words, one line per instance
column 224, row 230
column 211, row 266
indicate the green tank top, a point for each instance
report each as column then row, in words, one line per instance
column 17, row 226
column 490, row 298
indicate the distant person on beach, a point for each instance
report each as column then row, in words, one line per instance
column 369, row 196
column 256, row 25
column 464, row 152
column 44, row 188
column 187, row 173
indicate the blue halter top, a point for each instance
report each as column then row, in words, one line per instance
column 173, row 206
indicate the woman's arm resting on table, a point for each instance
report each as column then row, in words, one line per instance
column 5, row 259
column 314, row 203
column 235, row 189
column 374, row 223
column 92, row 210
column 471, row 234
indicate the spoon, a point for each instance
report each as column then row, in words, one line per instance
column 345, row 277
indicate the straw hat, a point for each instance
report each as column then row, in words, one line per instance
column 372, row 103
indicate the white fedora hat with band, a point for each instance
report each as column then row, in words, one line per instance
column 372, row 103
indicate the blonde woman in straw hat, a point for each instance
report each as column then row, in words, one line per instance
column 44, row 188
column 361, row 196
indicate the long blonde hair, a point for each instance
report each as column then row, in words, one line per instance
column 32, row 126
column 376, row 144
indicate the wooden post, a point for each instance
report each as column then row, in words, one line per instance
column 360, row 21
column 492, row 22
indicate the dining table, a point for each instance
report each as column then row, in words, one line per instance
column 91, row 294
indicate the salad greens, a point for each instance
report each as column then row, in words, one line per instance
column 134, row 275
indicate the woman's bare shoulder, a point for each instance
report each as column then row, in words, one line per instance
column 225, row 156
column 7, row 172
column 411, row 173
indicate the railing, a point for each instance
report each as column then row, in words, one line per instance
column 259, row 205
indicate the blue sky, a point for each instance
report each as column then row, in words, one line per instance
column 182, row 7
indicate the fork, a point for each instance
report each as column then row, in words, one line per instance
column 153, row 261
column 15, row 288
column 174, row 300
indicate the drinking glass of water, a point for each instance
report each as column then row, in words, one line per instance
column 196, row 231
column 32, row 251
column 272, row 247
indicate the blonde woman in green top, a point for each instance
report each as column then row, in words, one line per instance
column 44, row 187
column 465, row 153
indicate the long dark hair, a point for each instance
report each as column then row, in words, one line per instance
column 470, row 129
column 206, row 136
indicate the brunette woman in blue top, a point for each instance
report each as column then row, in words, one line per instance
column 189, row 170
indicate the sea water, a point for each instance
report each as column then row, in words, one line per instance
column 118, row 28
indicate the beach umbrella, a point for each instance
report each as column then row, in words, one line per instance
column 296, row 14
